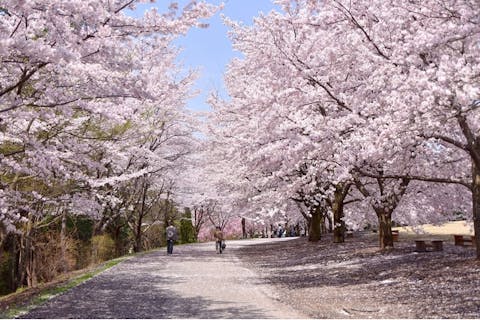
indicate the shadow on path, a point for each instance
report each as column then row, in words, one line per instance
column 141, row 288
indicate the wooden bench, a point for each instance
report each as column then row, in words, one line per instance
column 461, row 240
column 395, row 234
column 424, row 245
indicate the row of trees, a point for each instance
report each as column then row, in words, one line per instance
column 354, row 110
column 93, row 126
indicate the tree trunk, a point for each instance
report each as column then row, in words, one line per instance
column 27, row 262
column 29, row 258
column 138, row 236
column 314, row 232
column 244, row 231
column 21, row 262
column 63, row 243
column 17, row 271
column 31, row 266
column 476, row 206
column 339, row 227
column 338, row 222
column 119, row 246
column 385, row 229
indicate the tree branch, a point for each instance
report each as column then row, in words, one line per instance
column 26, row 75
column 448, row 140
column 417, row 178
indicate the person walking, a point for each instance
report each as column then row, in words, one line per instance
column 171, row 237
column 218, row 234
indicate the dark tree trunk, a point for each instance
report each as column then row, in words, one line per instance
column 27, row 261
column 31, row 266
column 16, row 271
column 337, row 208
column 21, row 262
column 339, row 227
column 244, row 231
column 473, row 149
column 385, row 229
column 138, row 236
column 476, row 206
column 137, row 247
column 314, row 232
column 119, row 246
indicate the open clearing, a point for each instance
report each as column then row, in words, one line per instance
column 356, row 280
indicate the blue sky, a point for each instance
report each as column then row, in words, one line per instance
column 210, row 50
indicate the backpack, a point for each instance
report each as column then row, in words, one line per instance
column 170, row 233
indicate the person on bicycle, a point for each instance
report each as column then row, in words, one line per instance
column 218, row 234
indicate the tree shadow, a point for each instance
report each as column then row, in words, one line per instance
column 433, row 284
column 133, row 290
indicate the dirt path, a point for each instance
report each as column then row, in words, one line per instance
column 194, row 282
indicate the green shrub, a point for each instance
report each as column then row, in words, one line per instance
column 187, row 233
column 81, row 227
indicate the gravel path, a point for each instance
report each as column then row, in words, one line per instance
column 194, row 282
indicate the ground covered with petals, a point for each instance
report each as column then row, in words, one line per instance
column 357, row 280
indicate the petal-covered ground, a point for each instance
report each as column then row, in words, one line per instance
column 356, row 280
column 194, row 282
column 282, row 278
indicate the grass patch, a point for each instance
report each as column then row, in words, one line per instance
column 46, row 294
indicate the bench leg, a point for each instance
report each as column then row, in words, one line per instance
column 420, row 246
column 458, row 240
column 437, row 245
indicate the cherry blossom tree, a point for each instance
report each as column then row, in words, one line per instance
column 284, row 153
column 424, row 81
column 348, row 88
column 78, row 81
